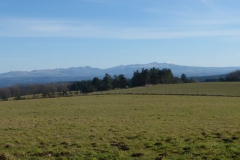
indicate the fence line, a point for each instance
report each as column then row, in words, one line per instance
column 142, row 93
column 164, row 93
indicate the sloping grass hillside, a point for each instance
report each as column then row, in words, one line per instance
column 213, row 88
column 121, row 127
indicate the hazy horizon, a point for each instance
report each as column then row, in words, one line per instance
column 118, row 66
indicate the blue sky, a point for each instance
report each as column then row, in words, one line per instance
column 53, row 34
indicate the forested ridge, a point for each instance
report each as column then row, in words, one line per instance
column 232, row 77
column 140, row 78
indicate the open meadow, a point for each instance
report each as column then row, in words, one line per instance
column 121, row 127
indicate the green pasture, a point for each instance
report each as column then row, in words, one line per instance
column 207, row 88
column 98, row 127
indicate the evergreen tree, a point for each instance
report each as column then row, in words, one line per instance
column 145, row 77
column 184, row 78
column 136, row 79
column 107, row 82
column 154, row 78
column 122, row 81
column 97, row 84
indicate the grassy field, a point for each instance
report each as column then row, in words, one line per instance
column 214, row 88
column 121, row 127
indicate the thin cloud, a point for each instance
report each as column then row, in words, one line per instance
column 213, row 5
column 54, row 28
column 108, row 2
column 212, row 21
column 206, row 2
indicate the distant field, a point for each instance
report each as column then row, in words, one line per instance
column 208, row 88
column 122, row 127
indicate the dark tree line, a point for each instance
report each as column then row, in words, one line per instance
column 152, row 76
column 145, row 77
column 140, row 78
column 231, row 77
column 157, row 76
column 107, row 83
column 184, row 79
column 47, row 90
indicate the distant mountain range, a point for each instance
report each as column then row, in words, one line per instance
column 84, row 73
